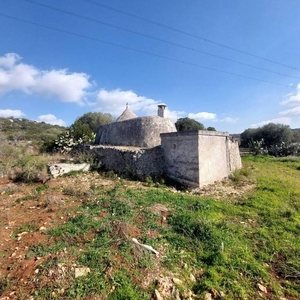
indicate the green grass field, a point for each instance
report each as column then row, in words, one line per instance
column 233, row 248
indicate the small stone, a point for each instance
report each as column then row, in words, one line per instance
column 177, row 281
column 192, row 277
column 43, row 228
column 82, row 271
column 36, row 271
column 262, row 288
column 22, row 233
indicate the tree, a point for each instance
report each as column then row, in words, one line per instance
column 88, row 124
column 209, row 128
column 271, row 133
column 296, row 135
column 186, row 124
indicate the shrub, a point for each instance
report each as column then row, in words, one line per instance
column 29, row 168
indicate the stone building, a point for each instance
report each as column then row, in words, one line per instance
column 151, row 146
column 131, row 130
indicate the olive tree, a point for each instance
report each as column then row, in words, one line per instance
column 186, row 124
column 88, row 124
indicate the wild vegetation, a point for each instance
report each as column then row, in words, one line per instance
column 272, row 139
column 74, row 237
column 24, row 131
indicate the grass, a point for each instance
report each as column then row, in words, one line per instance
column 229, row 245
column 25, row 227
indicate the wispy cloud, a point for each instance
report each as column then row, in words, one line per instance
column 67, row 87
column 291, row 112
column 202, row 116
column 51, row 119
column 6, row 113
column 229, row 120
column 293, row 98
column 280, row 120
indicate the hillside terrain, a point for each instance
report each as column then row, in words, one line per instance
column 97, row 235
column 24, row 130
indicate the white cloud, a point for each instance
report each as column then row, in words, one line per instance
column 202, row 116
column 293, row 98
column 68, row 87
column 6, row 113
column 280, row 120
column 229, row 120
column 174, row 115
column 291, row 112
column 51, row 119
column 114, row 102
column 9, row 59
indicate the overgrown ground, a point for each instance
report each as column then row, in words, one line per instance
column 236, row 240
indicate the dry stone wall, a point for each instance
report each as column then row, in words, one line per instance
column 131, row 161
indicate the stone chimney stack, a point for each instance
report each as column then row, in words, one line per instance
column 161, row 110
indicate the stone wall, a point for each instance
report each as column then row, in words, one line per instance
column 198, row 158
column 213, row 156
column 235, row 161
column 137, row 132
column 131, row 161
column 180, row 151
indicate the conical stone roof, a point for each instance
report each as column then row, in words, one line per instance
column 126, row 115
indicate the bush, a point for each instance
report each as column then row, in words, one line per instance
column 29, row 168
column 272, row 134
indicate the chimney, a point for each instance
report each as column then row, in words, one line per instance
column 161, row 110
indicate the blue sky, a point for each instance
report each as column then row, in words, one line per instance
column 61, row 59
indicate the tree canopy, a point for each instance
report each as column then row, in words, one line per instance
column 209, row 128
column 186, row 124
column 88, row 124
column 271, row 134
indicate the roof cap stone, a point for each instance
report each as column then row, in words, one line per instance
column 127, row 114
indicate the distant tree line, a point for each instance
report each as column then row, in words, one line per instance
column 273, row 139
